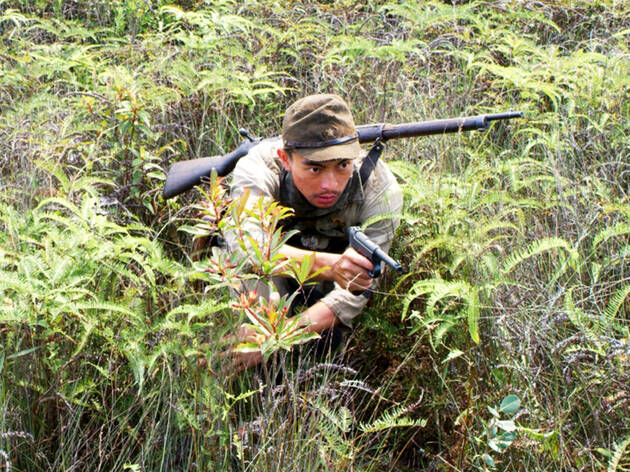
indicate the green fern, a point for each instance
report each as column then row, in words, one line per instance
column 615, row 304
column 620, row 459
column 620, row 229
column 576, row 316
column 451, row 296
column 392, row 419
column 536, row 248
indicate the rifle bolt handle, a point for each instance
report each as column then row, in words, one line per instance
column 245, row 134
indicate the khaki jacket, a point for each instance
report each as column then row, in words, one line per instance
column 261, row 172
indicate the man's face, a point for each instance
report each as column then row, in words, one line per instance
column 321, row 183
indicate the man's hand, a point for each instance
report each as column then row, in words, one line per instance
column 241, row 360
column 315, row 319
column 350, row 271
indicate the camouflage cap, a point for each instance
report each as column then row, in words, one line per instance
column 321, row 128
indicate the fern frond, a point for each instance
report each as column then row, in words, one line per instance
column 392, row 419
column 102, row 306
column 421, row 287
column 617, row 230
column 15, row 283
column 535, row 248
column 340, row 419
column 435, row 337
column 201, row 310
column 446, row 242
column 443, row 290
column 576, row 316
column 615, row 304
column 439, row 291
column 621, row 449
column 463, row 291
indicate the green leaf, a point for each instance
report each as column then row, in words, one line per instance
column 473, row 315
column 453, row 354
column 507, row 425
column 501, row 442
column 615, row 304
column 25, row 352
column 621, row 229
column 620, row 456
column 538, row 247
column 510, row 404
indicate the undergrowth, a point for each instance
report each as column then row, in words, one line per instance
column 506, row 344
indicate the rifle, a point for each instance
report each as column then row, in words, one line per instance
column 184, row 175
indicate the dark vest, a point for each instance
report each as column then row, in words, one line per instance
column 321, row 229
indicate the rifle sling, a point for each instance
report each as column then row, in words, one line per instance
column 370, row 161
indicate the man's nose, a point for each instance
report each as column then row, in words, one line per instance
column 329, row 181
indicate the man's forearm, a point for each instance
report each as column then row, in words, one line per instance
column 319, row 317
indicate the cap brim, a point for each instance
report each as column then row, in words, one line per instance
column 350, row 150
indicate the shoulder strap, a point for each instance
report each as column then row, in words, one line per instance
column 370, row 161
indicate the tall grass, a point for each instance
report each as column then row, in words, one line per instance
column 512, row 349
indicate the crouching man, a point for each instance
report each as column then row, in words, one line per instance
column 314, row 170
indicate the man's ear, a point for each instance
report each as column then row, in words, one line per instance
column 284, row 158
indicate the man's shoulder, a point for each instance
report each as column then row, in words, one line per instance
column 263, row 155
column 259, row 170
column 380, row 178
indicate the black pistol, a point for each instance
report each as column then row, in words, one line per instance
column 367, row 248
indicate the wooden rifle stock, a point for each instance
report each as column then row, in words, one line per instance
column 184, row 175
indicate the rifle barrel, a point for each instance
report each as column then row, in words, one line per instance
column 385, row 131
column 504, row 116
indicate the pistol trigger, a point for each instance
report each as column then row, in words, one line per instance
column 376, row 272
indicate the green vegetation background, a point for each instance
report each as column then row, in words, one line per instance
column 505, row 346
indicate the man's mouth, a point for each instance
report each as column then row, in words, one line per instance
column 326, row 199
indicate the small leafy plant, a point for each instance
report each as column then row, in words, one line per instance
column 259, row 260
column 501, row 429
